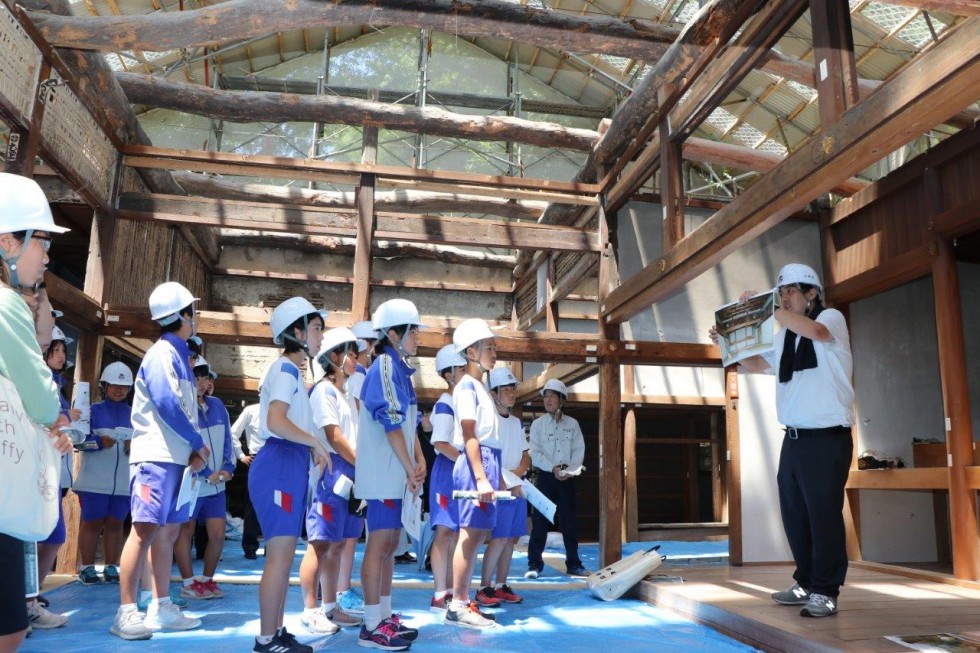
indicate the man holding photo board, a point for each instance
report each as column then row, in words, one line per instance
column 812, row 360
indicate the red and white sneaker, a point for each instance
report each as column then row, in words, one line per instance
column 196, row 590
column 216, row 592
column 487, row 598
column 439, row 606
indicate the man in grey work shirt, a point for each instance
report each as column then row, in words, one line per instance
column 557, row 448
column 248, row 424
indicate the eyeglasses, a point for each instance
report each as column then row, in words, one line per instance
column 45, row 242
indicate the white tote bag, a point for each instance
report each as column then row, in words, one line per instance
column 29, row 484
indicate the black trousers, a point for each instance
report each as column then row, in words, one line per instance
column 812, row 474
column 13, row 609
column 563, row 494
column 250, row 530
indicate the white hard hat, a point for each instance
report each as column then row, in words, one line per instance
column 23, row 206
column 470, row 332
column 555, row 385
column 395, row 312
column 200, row 362
column 167, row 300
column 117, row 373
column 501, row 376
column 333, row 339
column 448, row 357
column 288, row 312
column 797, row 273
column 58, row 334
column 361, row 345
column 365, row 330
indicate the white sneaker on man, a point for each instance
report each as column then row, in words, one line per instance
column 40, row 617
column 130, row 625
column 169, row 617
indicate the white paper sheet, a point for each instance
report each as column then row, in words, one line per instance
column 412, row 514
column 189, row 489
column 541, row 503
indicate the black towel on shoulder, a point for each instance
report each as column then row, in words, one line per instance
column 796, row 359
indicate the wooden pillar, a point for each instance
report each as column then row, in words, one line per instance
column 836, row 71
column 610, row 419
column 719, row 506
column 671, row 187
column 361, row 300
column 956, row 402
column 734, row 468
column 25, row 140
column 550, row 308
column 632, row 512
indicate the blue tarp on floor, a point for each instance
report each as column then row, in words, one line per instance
column 557, row 615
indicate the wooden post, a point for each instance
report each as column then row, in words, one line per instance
column 956, row 402
column 610, row 414
column 719, row 506
column 23, row 143
column 551, row 309
column 361, row 300
column 833, row 45
column 671, row 186
column 632, row 512
column 734, row 468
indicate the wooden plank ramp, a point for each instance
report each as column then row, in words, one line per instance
column 873, row 604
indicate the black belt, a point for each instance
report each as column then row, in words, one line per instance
column 794, row 433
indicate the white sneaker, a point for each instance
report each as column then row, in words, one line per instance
column 40, row 617
column 317, row 622
column 169, row 617
column 130, row 625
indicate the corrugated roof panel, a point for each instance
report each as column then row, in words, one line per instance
column 887, row 16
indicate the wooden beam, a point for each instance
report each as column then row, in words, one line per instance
column 398, row 201
column 920, row 478
column 956, row 407
column 391, row 176
column 833, row 47
column 259, row 106
column 244, row 19
column 24, row 141
column 568, row 373
column 733, row 472
column 934, row 86
column 631, row 509
column 80, row 310
column 671, row 186
column 413, row 284
column 885, row 275
column 293, row 219
column 361, row 302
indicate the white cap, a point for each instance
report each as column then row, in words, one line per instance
column 288, row 312
column 23, row 206
column 117, row 373
column 203, row 363
column 447, row 357
column 501, row 376
column 470, row 332
column 58, row 334
column 797, row 273
column 332, row 339
column 167, row 300
column 365, row 330
column 395, row 312
column 557, row 386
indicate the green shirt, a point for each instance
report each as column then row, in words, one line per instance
column 21, row 360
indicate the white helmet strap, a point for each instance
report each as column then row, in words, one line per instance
column 12, row 260
column 286, row 335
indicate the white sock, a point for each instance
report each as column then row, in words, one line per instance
column 460, row 604
column 308, row 611
column 205, row 579
column 386, row 607
column 328, row 607
column 164, row 601
column 264, row 639
column 498, row 586
column 189, row 581
column 372, row 616
column 127, row 607
column 438, row 596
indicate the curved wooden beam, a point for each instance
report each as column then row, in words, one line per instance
column 257, row 106
column 242, row 19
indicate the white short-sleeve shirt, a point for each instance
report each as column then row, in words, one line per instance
column 472, row 401
column 443, row 420
column 513, row 442
column 332, row 406
column 283, row 382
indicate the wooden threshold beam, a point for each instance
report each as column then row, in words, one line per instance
column 569, row 373
column 349, row 173
column 419, row 228
column 932, row 87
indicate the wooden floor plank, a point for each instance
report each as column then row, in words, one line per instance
column 873, row 604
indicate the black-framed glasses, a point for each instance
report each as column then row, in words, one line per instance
column 44, row 240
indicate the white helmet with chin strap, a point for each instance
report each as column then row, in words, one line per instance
column 395, row 312
column 500, row 376
column 117, row 373
column 167, row 300
column 288, row 312
column 447, row 358
column 798, row 273
column 470, row 332
column 365, row 330
column 333, row 339
column 23, row 207
column 556, row 386
column 200, row 362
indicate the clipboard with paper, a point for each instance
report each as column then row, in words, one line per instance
column 747, row 328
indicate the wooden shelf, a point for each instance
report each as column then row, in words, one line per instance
column 973, row 478
column 923, row 478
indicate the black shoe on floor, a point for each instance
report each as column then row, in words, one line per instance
column 578, row 570
column 251, row 555
column 405, row 558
